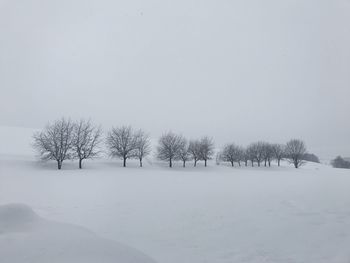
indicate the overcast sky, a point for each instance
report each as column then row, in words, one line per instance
column 236, row 70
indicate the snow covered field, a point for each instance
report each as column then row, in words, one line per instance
column 216, row 214
column 26, row 237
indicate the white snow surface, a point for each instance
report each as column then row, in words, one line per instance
column 25, row 237
column 216, row 214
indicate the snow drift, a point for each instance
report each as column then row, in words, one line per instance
column 26, row 237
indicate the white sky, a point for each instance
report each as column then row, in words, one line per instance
column 236, row 70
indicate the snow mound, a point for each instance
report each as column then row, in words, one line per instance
column 26, row 237
column 13, row 214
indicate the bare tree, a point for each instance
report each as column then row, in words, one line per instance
column 55, row 141
column 86, row 138
column 240, row 155
column 143, row 145
column 230, row 153
column 278, row 152
column 295, row 150
column 250, row 153
column 246, row 156
column 184, row 153
column 169, row 147
column 206, row 149
column 122, row 143
column 194, row 149
column 257, row 152
column 267, row 152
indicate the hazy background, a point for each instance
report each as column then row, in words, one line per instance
column 236, row 70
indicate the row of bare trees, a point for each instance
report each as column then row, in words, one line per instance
column 263, row 152
column 126, row 143
column 174, row 147
column 81, row 140
column 64, row 139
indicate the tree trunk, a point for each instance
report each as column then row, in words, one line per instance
column 170, row 163
column 205, row 163
column 184, row 164
column 252, row 163
column 269, row 163
column 59, row 165
column 232, row 163
column 296, row 164
column 279, row 160
column 80, row 163
column 259, row 163
column 124, row 162
column 195, row 162
column 246, row 162
column 265, row 162
column 140, row 162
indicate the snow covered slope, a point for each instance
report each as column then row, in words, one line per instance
column 25, row 237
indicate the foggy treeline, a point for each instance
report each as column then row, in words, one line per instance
column 340, row 162
column 263, row 153
column 81, row 140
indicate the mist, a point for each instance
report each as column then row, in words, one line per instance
column 238, row 71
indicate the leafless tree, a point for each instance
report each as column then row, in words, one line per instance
column 122, row 143
column 184, row 153
column 278, row 152
column 295, row 150
column 240, row 155
column 267, row 151
column 86, row 139
column 250, row 153
column 143, row 145
column 169, row 147
column 55, row 141
column 246, row 156
column 230, row 153
column 206, row 149
column 257, row 152
column 194, row 149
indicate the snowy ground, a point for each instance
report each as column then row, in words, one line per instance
column 216, row 214
column 26, row 237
